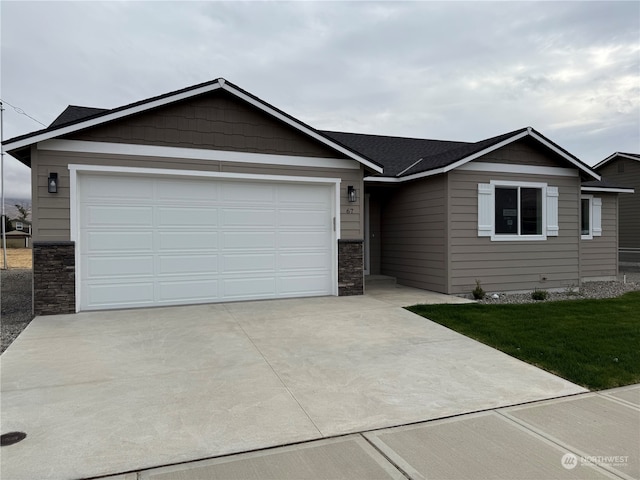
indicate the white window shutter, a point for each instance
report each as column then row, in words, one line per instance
column 552, row 212
column 597, row 217
column 485, row 209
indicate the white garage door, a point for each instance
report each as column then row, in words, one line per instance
column 148, row 241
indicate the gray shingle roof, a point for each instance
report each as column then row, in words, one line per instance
column 74, row 113
column 395, row 154
column 406, row 156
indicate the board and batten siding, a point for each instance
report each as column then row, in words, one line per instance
column 52, row 211
column 414, row 244
column 599, row 255
column 626, row 172
column 510, row 265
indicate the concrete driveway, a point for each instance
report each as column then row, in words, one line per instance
column 110, row 392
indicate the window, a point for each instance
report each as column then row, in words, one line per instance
column 590, row 217
column 517, row 210
column 19, row 226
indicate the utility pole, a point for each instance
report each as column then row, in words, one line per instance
column 4, row 218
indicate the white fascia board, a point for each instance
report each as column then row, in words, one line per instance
column 607, row 190
column 301, row 127
column 76, row 168
column 111, row 116
column 82, row 146
column 582, row 167
column 521, row 169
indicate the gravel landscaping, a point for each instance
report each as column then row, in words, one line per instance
column 587, row 290
column 15, row 304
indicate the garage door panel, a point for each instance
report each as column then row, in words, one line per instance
column 170, row 241
column 109, row 188
column 181, row 240
column 247, row 240
column 174, row 191
column 307, row 195
column 193, row 264
column 306, row 285
column 249, row 263
column 104, row 241
column 171, row 291
column 114, row 215
column 304, row 261
column 257, row 193
column 241, row 217
column 120, row 266
column 303, row 218
column 128, row 294
column 188, row 216
column 260, row 287
column 309, row 240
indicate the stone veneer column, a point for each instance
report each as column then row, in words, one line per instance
column 350, row 267
column 54, row 280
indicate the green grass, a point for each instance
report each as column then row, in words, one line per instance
column 594, row 343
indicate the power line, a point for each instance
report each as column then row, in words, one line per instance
column 22, row 112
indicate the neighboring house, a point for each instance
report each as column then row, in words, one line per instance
column 21, row 225
column 18, row 239
column 279, row 209
column 624, row 169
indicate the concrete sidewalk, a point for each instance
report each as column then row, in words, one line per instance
column 585, row 436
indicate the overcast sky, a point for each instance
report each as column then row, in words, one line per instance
column 451, row 70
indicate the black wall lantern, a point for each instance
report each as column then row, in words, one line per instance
column 351, row 194
column 52, row 183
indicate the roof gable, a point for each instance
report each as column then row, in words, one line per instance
column 616, row 156
column 409, row 158
column 67, row 125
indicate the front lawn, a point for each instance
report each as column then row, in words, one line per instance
column 594, row 343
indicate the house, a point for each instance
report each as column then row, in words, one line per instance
column 285, row 210
column 624, row 169
column 18, row 239
column 20, row 225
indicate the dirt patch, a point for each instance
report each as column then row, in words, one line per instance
column 19, row 258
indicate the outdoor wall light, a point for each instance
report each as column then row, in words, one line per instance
column 52, row 183
column 351, row 194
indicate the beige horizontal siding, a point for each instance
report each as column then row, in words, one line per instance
column 599, row 256
column 52, row 211
column 628, row 204
column 515, row 265
column 414, row 234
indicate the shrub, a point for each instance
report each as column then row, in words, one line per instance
column 539, row 294
column 478, row 293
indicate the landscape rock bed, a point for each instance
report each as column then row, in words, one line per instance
column 592, row 290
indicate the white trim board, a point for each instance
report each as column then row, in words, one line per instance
column 76, row 168
column 607, row 190
column 82, row 146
